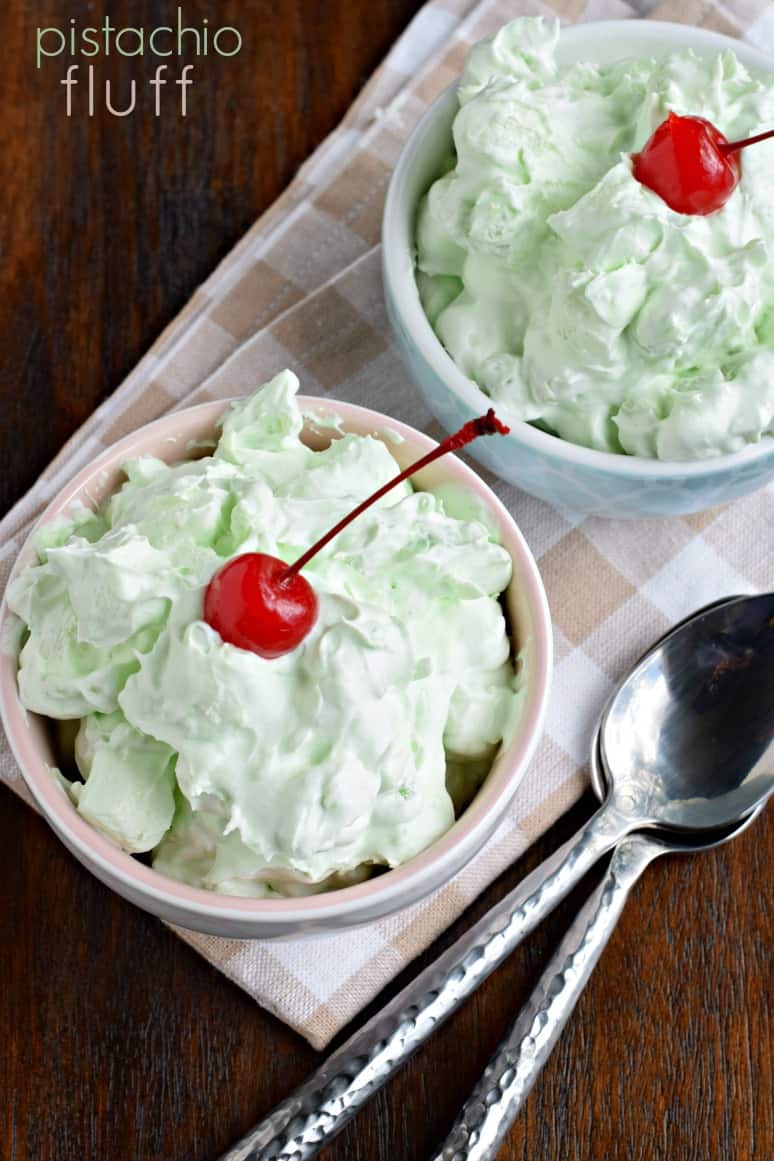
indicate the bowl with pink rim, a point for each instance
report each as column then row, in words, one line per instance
column 31, row 739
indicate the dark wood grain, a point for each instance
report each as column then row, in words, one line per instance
column 117, row 1040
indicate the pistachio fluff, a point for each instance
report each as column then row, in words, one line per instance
column 256, row 776
column 571, row 293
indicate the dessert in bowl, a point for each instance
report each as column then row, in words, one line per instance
column 264, row 794
column 626, row 342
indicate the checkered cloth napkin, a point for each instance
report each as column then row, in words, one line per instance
column 303, row 290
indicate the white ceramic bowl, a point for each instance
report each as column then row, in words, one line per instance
column 551, row 468
column 239, row 918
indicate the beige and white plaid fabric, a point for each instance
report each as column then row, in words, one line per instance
column 303, row 290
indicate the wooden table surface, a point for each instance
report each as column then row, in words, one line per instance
column 117, row 1041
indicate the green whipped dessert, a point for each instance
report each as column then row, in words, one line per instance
column 252, row 776
column 570, row 292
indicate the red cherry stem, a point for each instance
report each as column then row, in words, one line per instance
column 732, row 146
column 487, row 424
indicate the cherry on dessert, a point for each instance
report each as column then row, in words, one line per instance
column 259, row 603
column 691, row 165
column 256, row 603
column 683, row 163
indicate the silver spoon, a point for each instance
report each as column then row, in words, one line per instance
column 507, row 1080
column 727, row 647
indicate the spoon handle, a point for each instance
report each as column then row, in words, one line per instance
column 299, row 1127
column 499, row 1096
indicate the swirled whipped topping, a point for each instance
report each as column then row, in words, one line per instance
column 252, row 776
column 572, row 294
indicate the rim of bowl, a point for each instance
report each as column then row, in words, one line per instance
column 385, row 888
column 398, row 245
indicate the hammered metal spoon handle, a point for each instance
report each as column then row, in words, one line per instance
column 499, row 1096
column 299, row 1127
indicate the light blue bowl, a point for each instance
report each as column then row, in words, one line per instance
column 553, row 469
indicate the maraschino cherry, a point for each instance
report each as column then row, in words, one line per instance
column 263, row 605
column 691, row 165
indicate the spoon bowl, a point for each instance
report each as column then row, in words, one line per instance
column 597, row 775
column 687, row 741
column 663, row 840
